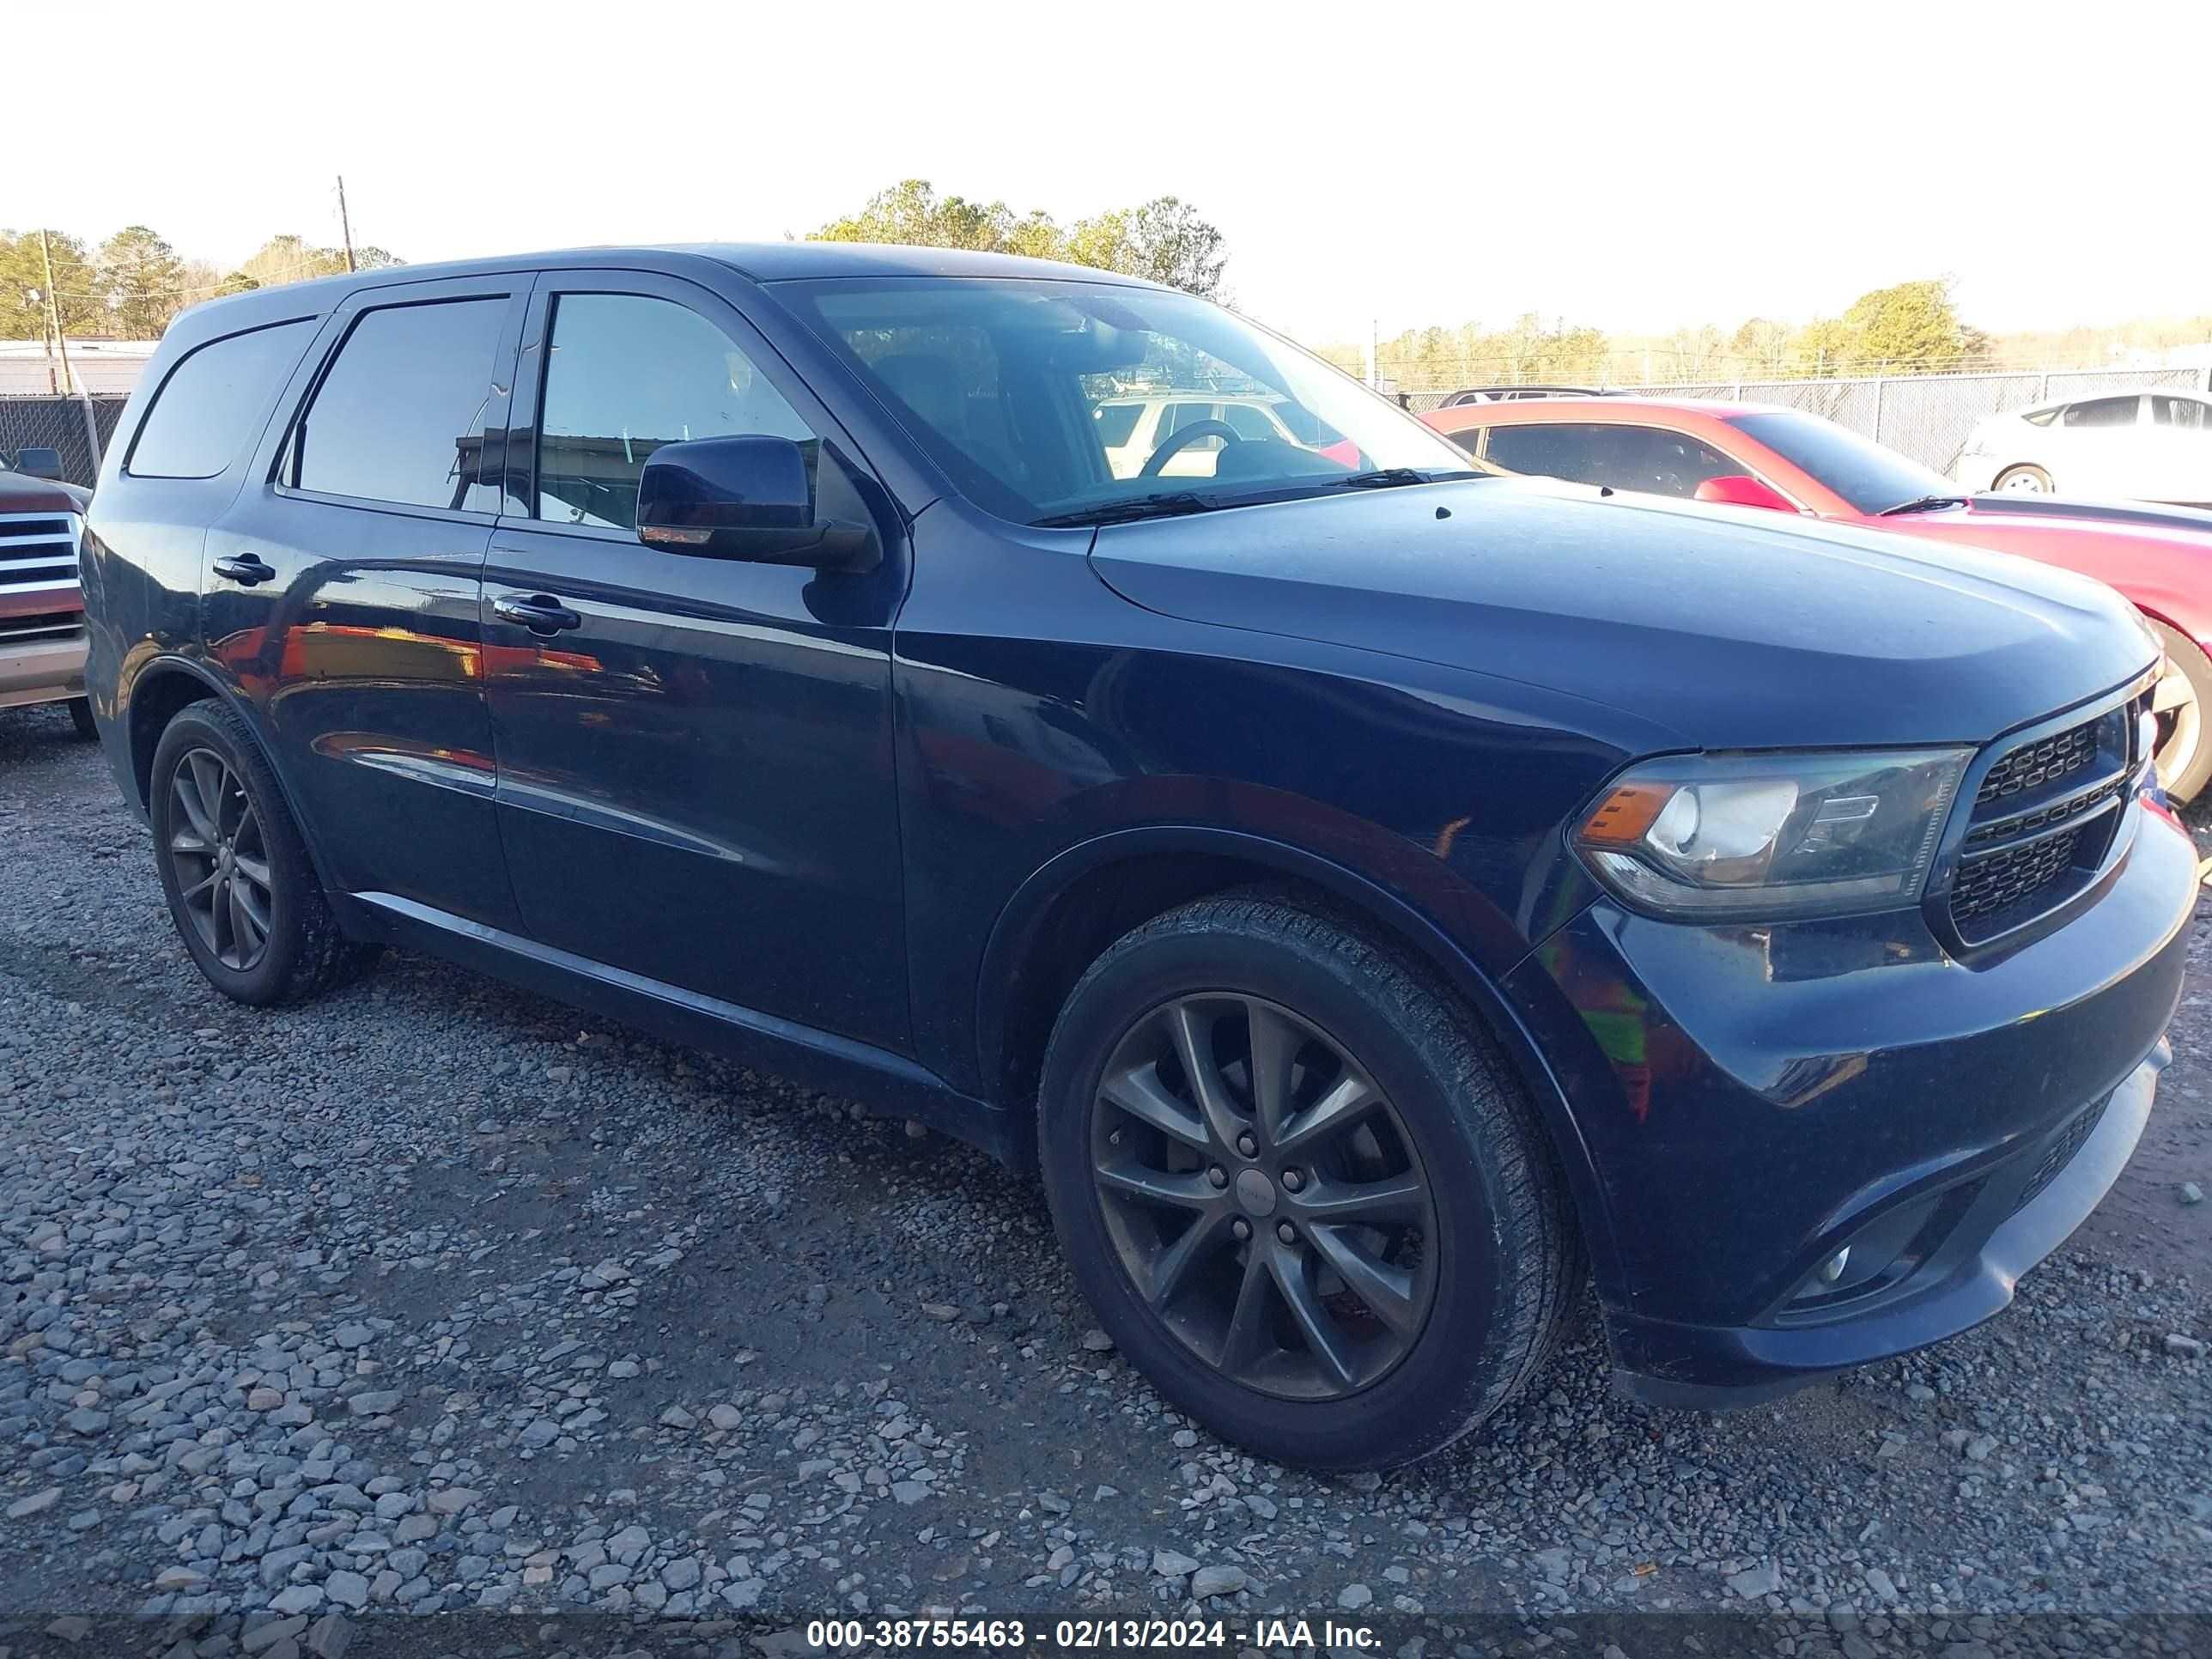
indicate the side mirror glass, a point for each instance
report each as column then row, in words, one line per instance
column 1742, row 490
column 750, row 498
column 36, row 461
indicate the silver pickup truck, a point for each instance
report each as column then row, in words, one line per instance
column 41, row 610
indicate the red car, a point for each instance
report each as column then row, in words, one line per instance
column 1758, row 456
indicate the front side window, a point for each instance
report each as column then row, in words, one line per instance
column 400, row 416
column 1572, row 450
column 1005, row 383
column 214, row 401
column 2102, row 412
column 1646, row 459
column 626, row 373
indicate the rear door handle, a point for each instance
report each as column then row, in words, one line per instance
column 541, row 613
column 244, row 568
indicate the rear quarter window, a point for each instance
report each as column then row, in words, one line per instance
column 214, row 401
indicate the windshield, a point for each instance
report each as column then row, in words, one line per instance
column 1871, row 478
column 1048, row 401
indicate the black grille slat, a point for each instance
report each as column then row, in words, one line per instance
column 33, row 528
column 23, row 573
column 50, row 625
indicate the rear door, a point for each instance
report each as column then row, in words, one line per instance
column 694, row 753
column 341, row 589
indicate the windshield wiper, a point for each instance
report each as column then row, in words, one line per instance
column 1165, row 506
column 1921, row 504
column 1382, row 478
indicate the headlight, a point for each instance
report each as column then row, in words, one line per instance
column 1722, row 837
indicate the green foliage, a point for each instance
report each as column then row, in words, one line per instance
column 140, row 279
column 22, row 274
column 1163, row 240
column 1911, row 326
column 135, row 283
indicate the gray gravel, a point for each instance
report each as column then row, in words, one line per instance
column 436, row 1295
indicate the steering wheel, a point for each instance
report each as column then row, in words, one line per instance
column 1182, row 436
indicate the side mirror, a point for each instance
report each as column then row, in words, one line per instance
column 36, row 461
column 750, row 498
column 1742, row 490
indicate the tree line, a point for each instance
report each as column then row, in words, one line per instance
column 1162, row 240
column 133, row 285
column 1908, row 328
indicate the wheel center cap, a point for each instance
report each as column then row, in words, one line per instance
column 1255, row 1194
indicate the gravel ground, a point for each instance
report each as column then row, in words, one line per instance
column 437, row 1296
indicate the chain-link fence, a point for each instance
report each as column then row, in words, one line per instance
column 1927, row 417
column 78, row 426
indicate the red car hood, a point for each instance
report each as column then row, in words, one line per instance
column 2157, row 557
column 19, row 494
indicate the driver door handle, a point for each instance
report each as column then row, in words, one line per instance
column 244, row 569
column 541, row 613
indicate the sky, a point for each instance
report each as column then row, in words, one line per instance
column 1636, row 167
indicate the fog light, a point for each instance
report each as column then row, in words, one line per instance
column 1832, row 1268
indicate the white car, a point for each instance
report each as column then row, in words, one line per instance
column 2154, row 446
column 1131, row 428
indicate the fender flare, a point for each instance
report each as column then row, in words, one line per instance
column 171, row 665
column 1021, row 919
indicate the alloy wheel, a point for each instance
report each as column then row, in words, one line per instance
column 1263, row 1196
column 219, row 860
column 2179, row 718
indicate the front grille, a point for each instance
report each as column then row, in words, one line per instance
column 2033, row 765
column 2061, row 1152
column 2043, row 818
column 1986, row 885
column 36, row 550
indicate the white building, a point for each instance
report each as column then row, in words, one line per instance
column 96, row 366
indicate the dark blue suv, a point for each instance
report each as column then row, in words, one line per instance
column 1377, row 895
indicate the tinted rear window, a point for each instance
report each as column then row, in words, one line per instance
column 400, row 417
column 213, row 402
column 1871, row 478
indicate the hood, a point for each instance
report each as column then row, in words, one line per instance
column 2159, row 558
column 20, row 492
column 1726, row 630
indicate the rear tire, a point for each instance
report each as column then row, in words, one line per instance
column 2182, row 703
column 2028, row 480
column 81, row 717
column 241, row 889
column 1419, row 1338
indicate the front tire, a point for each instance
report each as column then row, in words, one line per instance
column 241, row 889
column 2027, row 480
column 1299, row 1187
column 80, row 709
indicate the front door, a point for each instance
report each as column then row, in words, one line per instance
column 694, row 753
column 341, row 589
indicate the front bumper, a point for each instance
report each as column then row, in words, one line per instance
column 1751, row 1101
column 41, row 670
column 1658, row 1362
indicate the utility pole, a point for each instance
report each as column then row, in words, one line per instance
column 54, row 311
column 1371, row 327
column 345, row 225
